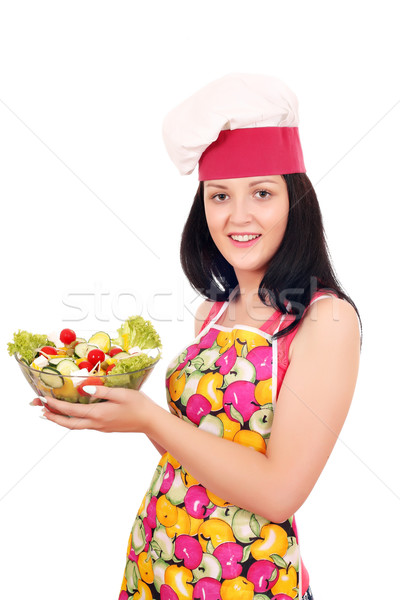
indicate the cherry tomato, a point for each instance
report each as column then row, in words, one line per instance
column 48, row 350
column 88, row 381
column 110, row 368
column 114, row 350
column 96, row 355
column 67, row 336
column 85, row 364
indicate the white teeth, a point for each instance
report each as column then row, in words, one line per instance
column 244, row 238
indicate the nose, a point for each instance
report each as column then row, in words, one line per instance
column 240, row 211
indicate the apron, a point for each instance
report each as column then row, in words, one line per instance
column 186, row 543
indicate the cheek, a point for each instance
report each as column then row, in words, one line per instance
column 215, row 222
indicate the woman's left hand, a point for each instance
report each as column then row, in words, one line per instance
column 125, row 410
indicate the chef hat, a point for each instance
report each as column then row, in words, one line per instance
column 240, row 125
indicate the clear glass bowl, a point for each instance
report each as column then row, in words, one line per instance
column 70, row 392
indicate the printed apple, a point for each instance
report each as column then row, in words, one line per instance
column 151, row 512
column 192, row 381
column 239, row 400
column 197, row 503
column 245, row 526
column 197, row 407
column 191, row 352
column 168, row 478
column 209, row 567
column 226, row 361
column 159, row 568
column 238, row 588
column 177, row 491
column 242, row 370
column 263, row 574
column 229, row 555
column 261, row 357
column 287, row 582
column 261, row 420
column 179, row 578
column 167, row 593
column 138, row 536
column 216, row 531
column 225, row 513
column 208, row 339
column 212, row 424
column 190, row 550
column 162, row 543
column 207, row 588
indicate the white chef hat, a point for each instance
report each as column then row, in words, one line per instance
column 240, row 125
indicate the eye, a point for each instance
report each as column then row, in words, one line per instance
column 264, row 193
column 218, row 197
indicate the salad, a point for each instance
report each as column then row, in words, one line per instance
column 61, row 364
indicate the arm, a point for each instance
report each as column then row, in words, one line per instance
column 313, row 403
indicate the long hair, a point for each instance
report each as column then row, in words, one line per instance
column 300, row 267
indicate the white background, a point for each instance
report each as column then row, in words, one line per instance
column 84, row 86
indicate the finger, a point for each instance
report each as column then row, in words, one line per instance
column 105, row 393
column 71, row 409
column 68, row 422
column 36, row 402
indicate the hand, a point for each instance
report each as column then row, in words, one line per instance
column 125, row 411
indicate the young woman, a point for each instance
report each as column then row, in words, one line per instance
column 262, row 392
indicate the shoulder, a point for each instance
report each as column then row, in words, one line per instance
column 201, row 314
column 331, row 321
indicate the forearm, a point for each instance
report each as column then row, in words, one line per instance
column 234, row 472
column 157, row 446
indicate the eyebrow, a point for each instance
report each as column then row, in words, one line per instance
column 223, row 187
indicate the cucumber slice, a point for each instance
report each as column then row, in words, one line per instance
column 83, row 348
column 51, row 377
column 56, row 360
column 122, row 355
column 101, row 340
column 66, row 367
column 80, row 339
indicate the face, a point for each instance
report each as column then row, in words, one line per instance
column 247, row 219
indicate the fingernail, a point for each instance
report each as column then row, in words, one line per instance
column 33, row 402
column 89, row 389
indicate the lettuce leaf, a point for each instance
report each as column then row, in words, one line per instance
column 136, row 362
column 27, row 344
column 135, row 331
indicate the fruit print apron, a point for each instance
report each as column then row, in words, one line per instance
column 186, row 543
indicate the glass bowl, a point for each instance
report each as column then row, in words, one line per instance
column 72, row 393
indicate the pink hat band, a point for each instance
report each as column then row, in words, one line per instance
column 252, row 151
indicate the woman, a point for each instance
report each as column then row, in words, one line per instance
column 270, row 368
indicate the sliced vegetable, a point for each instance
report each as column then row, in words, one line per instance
column 83, row 348
column 54, row 361
column 84, row 364
column 48, row 351
column 102, row 340
column 67, row 366
column 114, row 350
column 88, row 381
column 51, row 377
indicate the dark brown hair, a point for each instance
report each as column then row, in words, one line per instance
column 299, row 268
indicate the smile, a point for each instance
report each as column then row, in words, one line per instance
column 243, row 241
